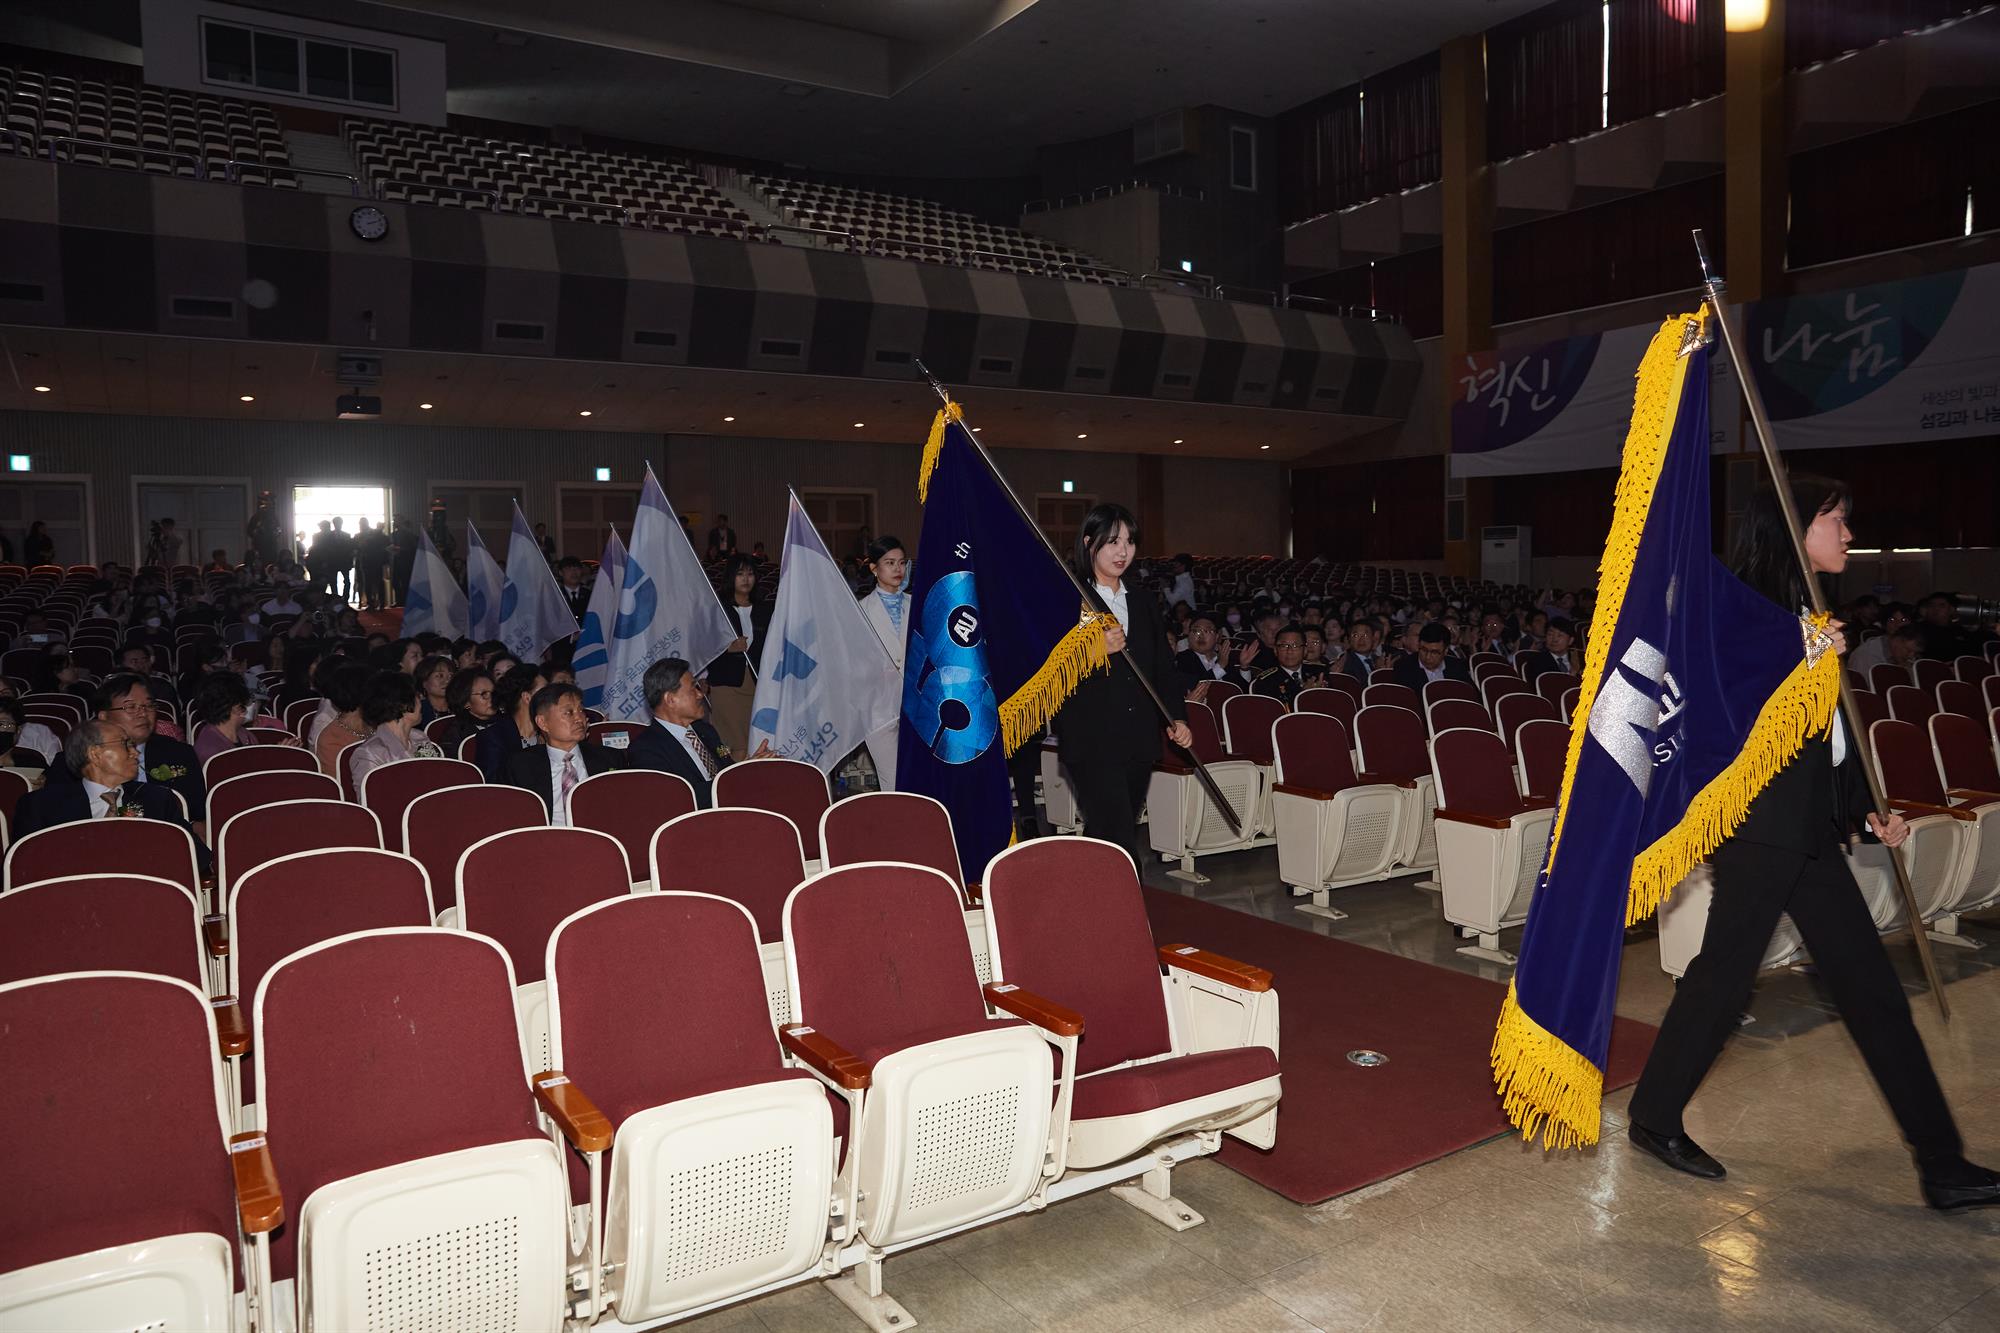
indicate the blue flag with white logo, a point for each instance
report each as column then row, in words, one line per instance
column 592, row 659
column 1696, row 691
column 998, row 640
column 826, row 682
column 435, row 604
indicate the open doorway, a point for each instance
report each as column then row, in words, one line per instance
column 313, row 505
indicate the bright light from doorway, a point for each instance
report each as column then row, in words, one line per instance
column 1069, row 488
column 18, row 463
column 314, row 505
column 604, row 474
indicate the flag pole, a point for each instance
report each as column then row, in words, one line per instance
column 1207, row 780
column 1712, row 286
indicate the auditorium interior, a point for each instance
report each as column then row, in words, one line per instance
column 1342, row 301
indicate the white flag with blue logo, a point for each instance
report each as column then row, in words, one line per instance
column 435, row 604
column 483, row 582
column 592, row 659
column 826, row 683
column 666, row 606
column 533, row 614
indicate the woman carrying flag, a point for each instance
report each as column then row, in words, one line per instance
column 1785, row 857
column 1109, row 730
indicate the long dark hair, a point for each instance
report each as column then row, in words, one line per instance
column 1100, row 525
column 1762, row 554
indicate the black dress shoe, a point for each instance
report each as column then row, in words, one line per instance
column 1679, row 1152
column 1960, row 1184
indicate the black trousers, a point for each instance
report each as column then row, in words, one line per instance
column 1111, row 793
column 1753, row 884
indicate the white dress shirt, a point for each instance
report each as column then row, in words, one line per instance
column 93, row 798
column 1118, row 604
column 572, row 759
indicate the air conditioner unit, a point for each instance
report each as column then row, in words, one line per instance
column 1505, row 554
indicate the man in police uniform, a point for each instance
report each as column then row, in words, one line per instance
column 1285, row 680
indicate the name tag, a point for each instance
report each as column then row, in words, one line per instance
column 617, row 740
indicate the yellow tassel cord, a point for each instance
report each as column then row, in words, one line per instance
column 1544, row 1085
column 1078, row 653
column 1802, row 706
column 1655, row 404
column 934, row 446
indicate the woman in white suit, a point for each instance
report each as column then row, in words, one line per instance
column 887, row 609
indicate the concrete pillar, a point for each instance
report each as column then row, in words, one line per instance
column 1467, row 184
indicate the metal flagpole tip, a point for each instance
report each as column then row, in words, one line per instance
column 1367, row 1059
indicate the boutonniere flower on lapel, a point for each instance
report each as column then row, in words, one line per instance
column 166, row 772
column 722, row 752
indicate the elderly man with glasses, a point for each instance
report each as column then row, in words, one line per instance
column 126, row 701
column 104, row 762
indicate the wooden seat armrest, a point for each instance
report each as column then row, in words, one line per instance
column 1043, row 1013
column 1216, row 967
column 1176, row 770
column 1970, row 794
column 1310, row 793
column 232, row 1025
column 1920, row 808
column 1481, row 821
column 259, row 1203
column 573, row 1112
column 215, row 934
column 821, row 1052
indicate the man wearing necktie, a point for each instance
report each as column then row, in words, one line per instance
column 106, row 763
column 1285, row 680
column 562, row 758
column 680, row 740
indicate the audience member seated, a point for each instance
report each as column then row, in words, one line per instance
column 339, row 723
column 469, row 701
column 1204, row 659
column 1285, row 680
column 1944, row 638
column 1877, row 649
column 1558, row 652
column 13, row 753
column 1431, row 661
column 561, row 756
column 680, row 741
column 221, row 708
column 1362, row 656
column 389, row 710
column 36, row 632
column 433, row 677
column 34, row 735
column 513, row 724
column 106, row 763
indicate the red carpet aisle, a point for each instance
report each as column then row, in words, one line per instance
column 1340, row 1126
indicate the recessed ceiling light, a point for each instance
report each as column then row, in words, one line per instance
column 1083, row 437
column 1263, row 446
column 977, row 429
column 246, row 398
column 584, row 413
column 425, row 406
column 729, row 418
column 1180, row 441
column 41, row 388
column 859, row 424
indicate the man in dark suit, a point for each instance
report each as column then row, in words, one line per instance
column 1362, row 657
column 126, row 701
column 721, row 538
column 575, row 592
column 102, row 763
column 1204, row 659
column 680, row 740
column 1432, row 660
column 562, row 757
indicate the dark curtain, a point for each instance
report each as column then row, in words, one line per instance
column 1385, row 512
column 1402, row 143
column 1544, row 77
column 1406, row 288
column 1818, row 30
column 1895, row 188
column 1319, row 156
column 1570, row 512
column 1618, row 251
column 1664, row 53
column 1926, row 493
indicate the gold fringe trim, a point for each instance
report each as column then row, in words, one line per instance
column 1076, row 655
column 1544, row 1085
column 1802, row 706
column 934, row 446
column 1655, row 404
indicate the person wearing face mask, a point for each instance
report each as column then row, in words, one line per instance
column 1109, row 730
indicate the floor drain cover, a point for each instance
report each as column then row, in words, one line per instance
column 1367, row 1059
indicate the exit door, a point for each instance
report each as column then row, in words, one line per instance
column 209, row 514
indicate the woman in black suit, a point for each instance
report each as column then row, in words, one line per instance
column 732, row 677
column 1786, row 857
column 1109, row 731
